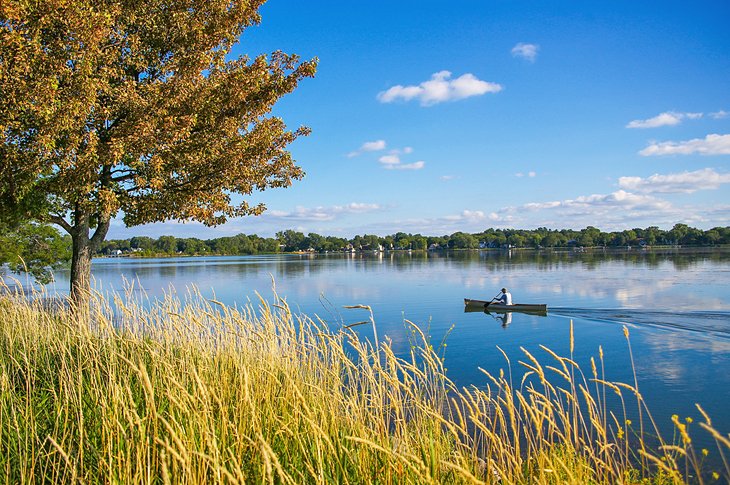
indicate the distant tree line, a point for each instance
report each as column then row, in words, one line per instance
column 39, row 248
column 290, row 241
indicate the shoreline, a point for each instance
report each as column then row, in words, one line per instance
column 576, row 249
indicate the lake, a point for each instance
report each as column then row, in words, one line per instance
column 675, row 303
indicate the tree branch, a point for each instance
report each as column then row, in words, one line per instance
column 58, row 220
column 123, row 178
column 102, row 228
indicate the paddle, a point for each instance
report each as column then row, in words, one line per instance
column 490, row 302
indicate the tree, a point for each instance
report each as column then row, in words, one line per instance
column 266, row 245
column 370, row 241
column 535, row 239
column 653, row 234
column 336, row 243
column 314, row 241
column 143, row 243
column 712, row 237
column 516, row 239
column 439, row 241
column 191, row 246
column 402, row 240
column 166, row 244
column 33, row 248
column 419, row 242
column 462, row 240
column 292, row 240
column 589, row 236
column 113, row 245
column 114, row 106
column 677, row 233
column 551, row 239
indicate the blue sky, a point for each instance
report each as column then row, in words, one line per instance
column 437, row 117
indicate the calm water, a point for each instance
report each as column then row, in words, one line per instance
column 675, row 304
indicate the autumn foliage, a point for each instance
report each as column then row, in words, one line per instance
column 134, row 107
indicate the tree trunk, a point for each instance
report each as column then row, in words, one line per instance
column 83, row 247
column 81, row 269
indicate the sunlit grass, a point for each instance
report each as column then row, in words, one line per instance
column 193, row 391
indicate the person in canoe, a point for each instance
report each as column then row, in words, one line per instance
column 505, row 298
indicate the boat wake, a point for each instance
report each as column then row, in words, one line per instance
column 715, row 323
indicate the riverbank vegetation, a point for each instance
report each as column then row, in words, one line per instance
column 197, row 392
column 36, row 249
column 291, row 241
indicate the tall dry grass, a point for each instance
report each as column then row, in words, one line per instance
column 193, row 391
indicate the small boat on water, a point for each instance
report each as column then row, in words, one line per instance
column 482, row 305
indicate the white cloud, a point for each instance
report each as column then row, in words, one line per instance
column 440, row 88
column 718, row 115
column 322, row 213
column 372, row 146
column 617, row 209
column 532, row 206
column 618, row 199
column 392, row 161
column 668, row 118
column 389, row 159
column 358, row 207
column 466, row 215
column 663, row 119
column 530, row 174
column 368, row 146
column 448, row 177
column 525, row 51
column 685, row 182
column 406, row 166
column 711, row 145
column 477, row 217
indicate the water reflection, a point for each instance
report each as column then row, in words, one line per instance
column 676, row 304
column 401, row 281
column 505, row 318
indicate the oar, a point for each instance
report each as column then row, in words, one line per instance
column 490, row 302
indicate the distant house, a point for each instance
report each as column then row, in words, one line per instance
column 489, row 245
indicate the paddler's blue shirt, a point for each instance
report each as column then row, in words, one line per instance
column 505, row 299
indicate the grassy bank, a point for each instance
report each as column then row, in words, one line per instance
column 196, row 392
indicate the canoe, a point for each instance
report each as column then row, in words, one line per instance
column 481, row 305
